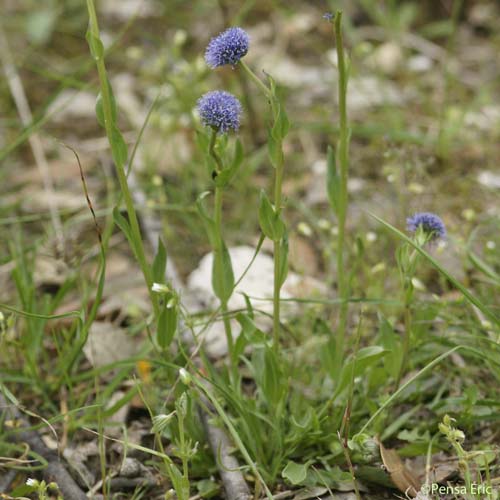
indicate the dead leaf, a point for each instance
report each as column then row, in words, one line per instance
column 402, row 477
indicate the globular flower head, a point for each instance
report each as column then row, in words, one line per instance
column 227, row 48
column 220, row 110
column 431, row 225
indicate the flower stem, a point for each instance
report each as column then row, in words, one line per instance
column 256, row 80
column 278, row 187
column 406, row 344
column 218, row 254
column 408, row 267
column 343, row 159
column 278, row 181
column 120, row 167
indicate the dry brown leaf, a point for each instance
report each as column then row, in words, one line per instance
column 402, row 477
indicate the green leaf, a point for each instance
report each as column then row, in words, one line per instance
column 167, row 324
column 254, row 335
column 160, row 263
column 275, row 150
column 268, row 375
column 99, row 110
column 365, row 358
column 281, row 124
column 250, row 335
column 95, row 45
column 468, row 295
column 99, row 107
column 208, row 222
column 226, row 176
column 118, row 147
column 222, row 273
column 333, row 185
column 483, row 267
column 222, row 179
column 123, row 224
column 202, row 140
column 390, row 341
column 22, row 490
column 272, row 84
column 283, row 250
column 270, row 222
column 295, row 473
column 207, row 488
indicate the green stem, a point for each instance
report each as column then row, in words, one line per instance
column 343, row 155
column 120, row 168
column 278, row 182
column 408, row 267
column 256, row 80
column 218, row 255
column 406, row 344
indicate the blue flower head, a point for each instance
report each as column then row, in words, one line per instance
column 328, row 16
column 220, row 110
column 227, row 48
column 431, row 225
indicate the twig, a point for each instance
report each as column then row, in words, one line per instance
column 232, row 478
column 55, row 470
column 7, row 480
column 23, row 109
column 234, row 483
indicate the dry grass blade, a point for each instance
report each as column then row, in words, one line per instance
column 23, row 109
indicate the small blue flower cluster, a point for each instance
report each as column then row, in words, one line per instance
column 219, row 109
column 430, row 223
column 227, row 48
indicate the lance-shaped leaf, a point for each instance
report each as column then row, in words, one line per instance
column 270, row 221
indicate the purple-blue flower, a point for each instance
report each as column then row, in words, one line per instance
column 432, row 225
column 220, row 110
column 328, row 16
column 227, row 48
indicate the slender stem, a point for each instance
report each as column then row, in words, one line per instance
column 406, row 344
column 343, row 156
column 278, row 184
column 278, row 181
column 256, row 80
column 407, row 272
column 212, row 152
column 218, row 254
column 347, row 457
column 120, row 168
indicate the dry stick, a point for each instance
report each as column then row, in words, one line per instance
column 23, row 109
column 232, row 478
column 234, row 483
column 55, row 470
column 7, row 480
